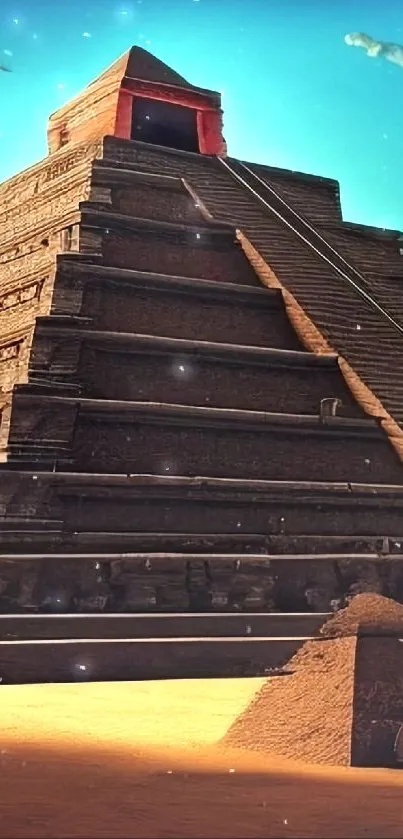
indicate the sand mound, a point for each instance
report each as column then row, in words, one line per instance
column 307, row 715
column 366, row 611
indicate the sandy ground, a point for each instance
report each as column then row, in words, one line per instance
column 139, row 760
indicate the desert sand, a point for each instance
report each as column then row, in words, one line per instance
column 367, row 611
column 142, row 760
column 307, row 714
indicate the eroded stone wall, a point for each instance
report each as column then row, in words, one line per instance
column 39, row 214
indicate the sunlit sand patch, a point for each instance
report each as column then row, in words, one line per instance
column 171, row 712
column 143, row 760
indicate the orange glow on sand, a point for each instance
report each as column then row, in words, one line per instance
column 143, row 760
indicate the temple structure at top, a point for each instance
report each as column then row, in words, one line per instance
column 141, row 98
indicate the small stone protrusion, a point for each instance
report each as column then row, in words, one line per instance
column 329, row 407
column 385, row 548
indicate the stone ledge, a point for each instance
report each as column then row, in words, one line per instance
column 93, row 271
column 138, row 342
column 100, row 219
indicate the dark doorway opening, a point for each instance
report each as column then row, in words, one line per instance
column 164, row 124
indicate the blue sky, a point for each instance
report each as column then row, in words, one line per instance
column 294, row 95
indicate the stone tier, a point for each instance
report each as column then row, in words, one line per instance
column 50, row 537
column 152, row 504
column 123, row 300
column 100, row 582
column 116, row 543
column 119, row 299
column 130, row 192
column 163, row 438
column 133, row 366
column 185, row 625
column 121, row 660
column 123, row 241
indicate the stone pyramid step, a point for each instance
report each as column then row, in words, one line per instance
column 20, row 627
column 127, row 300
column 50, row 536
column 127, row 504
column 64, row 581
column 130, row 366
column 165, row 247
column 151, row 438
column 152, row 195
column 110, row 659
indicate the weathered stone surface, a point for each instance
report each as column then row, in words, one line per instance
column 190, row 375
column 158, row 583
column 142, row 255
column 378, row 701
column 222, row 447
column 121, row 305
column 178, row 254
column 38, row 210
column 156, row 202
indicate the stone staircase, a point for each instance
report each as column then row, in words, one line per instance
column 176, row 450
column 64, row 648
